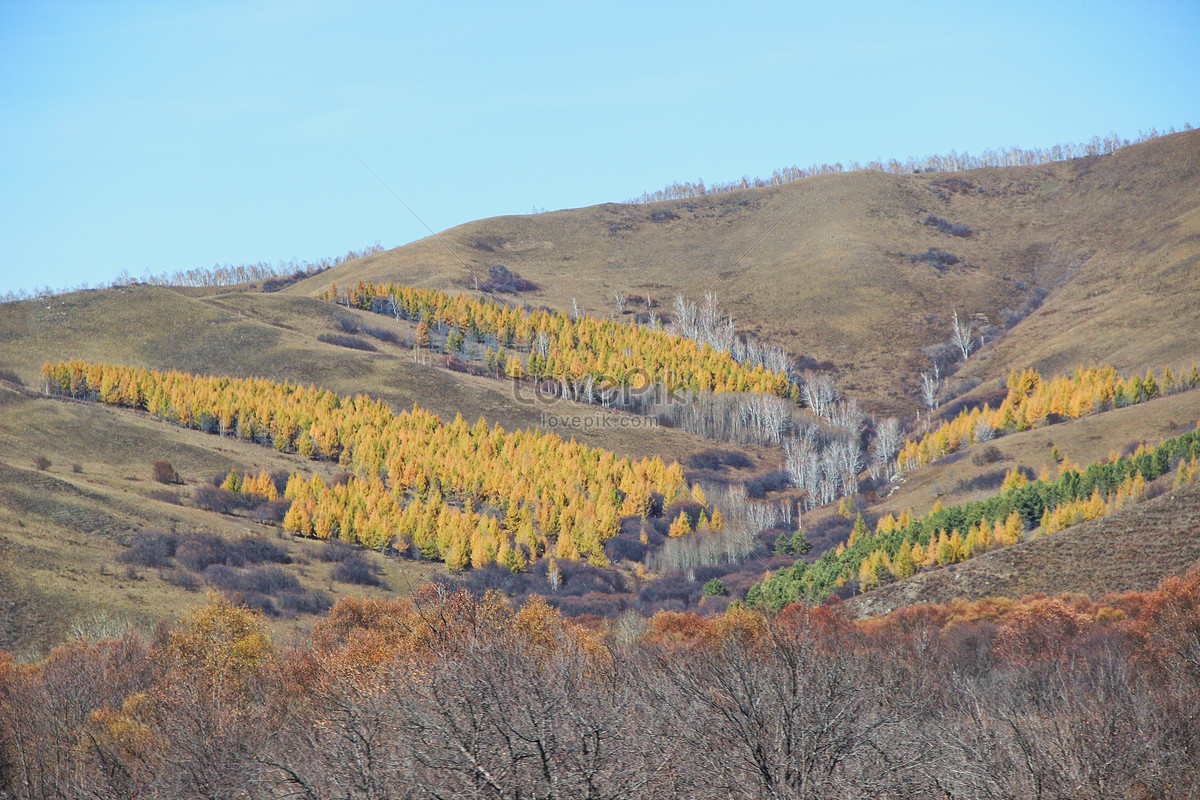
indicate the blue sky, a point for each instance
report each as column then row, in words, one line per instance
column 155, row 136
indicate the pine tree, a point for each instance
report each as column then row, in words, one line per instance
column 800, row 545
column 1119, row 398
column 946, row 551
column 1014, row 479
column 232, row 483
column 680, row 526
column 1150, row 385
column 1169, row 386
column 859, row 530
column 717, row 522
column 903, row 565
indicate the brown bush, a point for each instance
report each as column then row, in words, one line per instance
column 988, row 455
column 163, row 472
column 41, row 462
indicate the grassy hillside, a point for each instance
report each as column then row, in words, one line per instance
column 823, row 265
column 1109, row 246
column 61, row 528
column 963, row 476
column 1132, row 549
column 275, row 336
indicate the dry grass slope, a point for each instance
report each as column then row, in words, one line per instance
column 822, row 265
column 275, row 336
column 1132, row 549
column 60, row 530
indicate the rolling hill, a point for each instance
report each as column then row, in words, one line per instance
column 1093, row 260
column 838, row 267
column 1130, row 550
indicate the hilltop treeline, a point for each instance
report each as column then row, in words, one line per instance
column 952, row 162
column 464, row 494
column 900, row 547
column 449, row 695
column 274, row 276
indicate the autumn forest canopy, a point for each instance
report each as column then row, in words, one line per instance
column 446, row 693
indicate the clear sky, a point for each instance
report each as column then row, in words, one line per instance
column 155, row 136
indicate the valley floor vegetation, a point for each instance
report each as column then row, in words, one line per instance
column 446, row 694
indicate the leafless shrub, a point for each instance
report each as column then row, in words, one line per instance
column 352, row 326
column 357, row 571
column 272, row 510
column 163, row 472
column 760, row 485
column 1010, row 317
column 945, row 226
column 99, row 626
column 988, row 455
column 940, row 259
column 334, row 551
column 986, row 481
column 182, row 579
column 150, row 549
column 502, row 280
column 719, row 459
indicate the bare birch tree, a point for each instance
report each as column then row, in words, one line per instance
column 819, row 394
column 962, row 336
column 930, row 386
